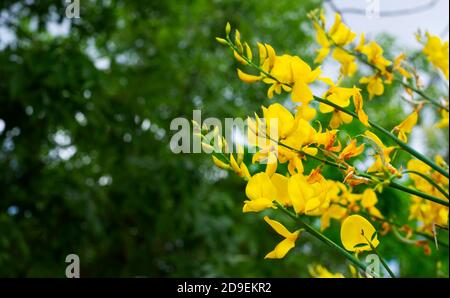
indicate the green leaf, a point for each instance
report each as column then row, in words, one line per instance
column 374, row 235
column 359, row 245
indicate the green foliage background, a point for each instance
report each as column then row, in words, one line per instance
column 124, row 202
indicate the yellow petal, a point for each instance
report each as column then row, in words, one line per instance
column 257, row 205
column 244, row 171
column 262, row 53
column 239, row 58
column 246, row 77
column 278, row 227
column 234, row 164
column 369, row 198
column 301, row 93
column 248, row 51
column 299, row 191
column 271, row 164
column 260, row 186
column 281, row 184
column 281, row 249
column 408, row 124
column 219, row 163
column 352, row 231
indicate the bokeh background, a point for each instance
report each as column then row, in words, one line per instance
column 85, row 111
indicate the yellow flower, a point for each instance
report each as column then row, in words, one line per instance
column 319, row 271
column 333, row 209
column 374, row 54
column 369, row 200
column 443, row 123
column 327, row 140
column 281, row 184
column 407, row 125
column 427, row 212
column 347, row 61
column 340, row 33
column 437, row 53
column 261, row 192
column 374, row 85
column 240, row 169
column 284, row 246
column 398, row 66
column 358, row 102
column 279, row 115
column 322, row 39
column 351, row 150
column 307, row 196
column 341, row 97
column 382, row 158
column 293, row 71
column 356, row 232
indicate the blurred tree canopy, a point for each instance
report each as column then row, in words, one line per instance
column 85, row 164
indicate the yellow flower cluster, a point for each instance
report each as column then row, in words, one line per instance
column 437, row 53
column 298, row 139
column 426, row 212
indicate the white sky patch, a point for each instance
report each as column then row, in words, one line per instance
column 145, row 125
column 402, row 27
column 394, row 265
column 100, row 62
column 2, row 126
column 59, row 29
column 63, row 153
column 62, row 138
column 105, row 180
column 81, row 118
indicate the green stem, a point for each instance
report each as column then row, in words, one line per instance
column 437, row 186
column 404, row 146
column 385, row 265
column 418, row 193
column 323, row 238
column 421, row 93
